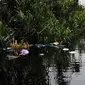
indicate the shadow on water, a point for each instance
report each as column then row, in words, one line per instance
column 26, row 70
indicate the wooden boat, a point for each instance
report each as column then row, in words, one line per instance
column 13, row 54
column 11, row 57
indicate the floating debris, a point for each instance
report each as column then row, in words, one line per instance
column 56, row 46
column 65, row 49
column 72, row 52
column 41, row 54
column 40, row 45
column 9, row 48
column 56, row 43
column 61, row 45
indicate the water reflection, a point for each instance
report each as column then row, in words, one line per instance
column 62, row 65
column 55, row 67
column 58, row 65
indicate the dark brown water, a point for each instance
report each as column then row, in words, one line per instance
column 55, row 67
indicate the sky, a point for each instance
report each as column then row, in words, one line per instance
column 82, row 2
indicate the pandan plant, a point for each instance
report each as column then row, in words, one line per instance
column 16, row 45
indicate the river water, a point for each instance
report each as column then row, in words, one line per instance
column 44, row 66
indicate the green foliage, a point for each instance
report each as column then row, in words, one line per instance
column 41, row 20
column 2, row 29
column 79, row 19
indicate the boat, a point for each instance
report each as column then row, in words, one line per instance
column 10, row 57
column 14, row 54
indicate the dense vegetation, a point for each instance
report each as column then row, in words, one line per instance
column 40, row 21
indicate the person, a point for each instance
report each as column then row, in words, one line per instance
column 24, row 52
